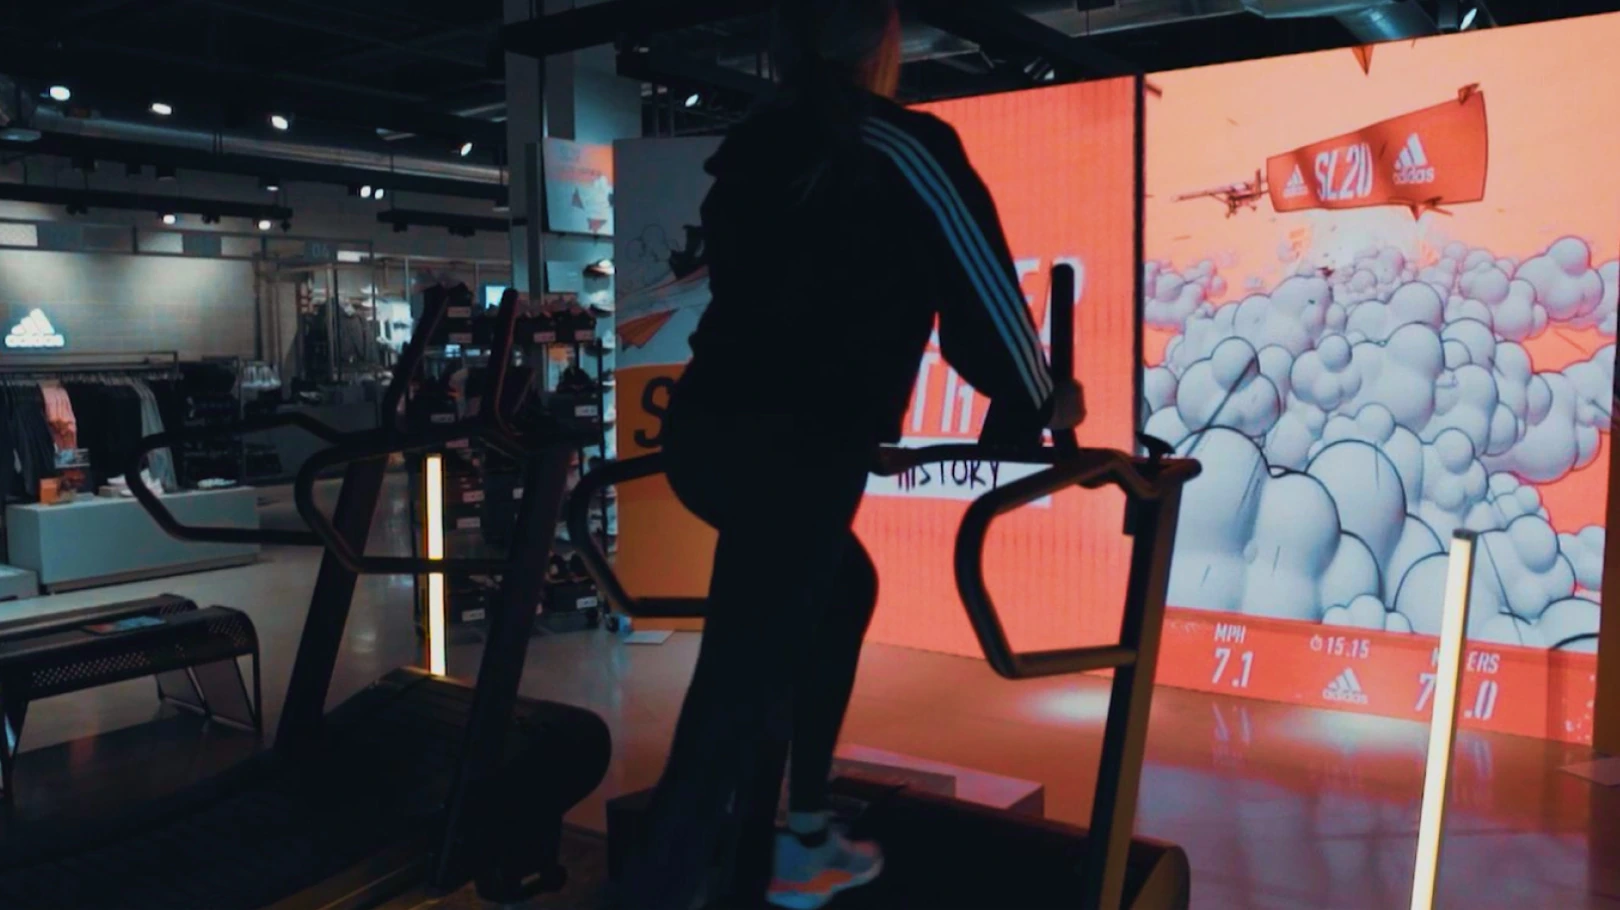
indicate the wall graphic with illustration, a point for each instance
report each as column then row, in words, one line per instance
column 1380, row 302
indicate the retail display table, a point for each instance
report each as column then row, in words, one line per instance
column 16, row 583
column 105, row 540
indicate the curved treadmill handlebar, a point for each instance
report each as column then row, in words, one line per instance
column 1152, row 486
column 492, row 425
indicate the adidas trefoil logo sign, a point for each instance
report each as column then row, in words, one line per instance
column 1412, row 166
column 34, row 331
column 1295, row 187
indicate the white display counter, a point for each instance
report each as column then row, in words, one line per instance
column 105, row 540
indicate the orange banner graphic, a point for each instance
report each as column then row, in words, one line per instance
column 1424, row 160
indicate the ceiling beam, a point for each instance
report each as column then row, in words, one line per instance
column 413, row 218
column 663, row 68
column 1003, row 30
column 101, row 69
column 314, row 25
column 607, row 23
column 140, row 202
column 64, row 145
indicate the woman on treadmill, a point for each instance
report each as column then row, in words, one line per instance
column 839, row 228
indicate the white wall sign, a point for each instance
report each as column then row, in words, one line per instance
column 34, row 331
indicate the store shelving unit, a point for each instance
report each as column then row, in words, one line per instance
column 480, row 489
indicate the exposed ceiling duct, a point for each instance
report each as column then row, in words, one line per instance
column 468, row 172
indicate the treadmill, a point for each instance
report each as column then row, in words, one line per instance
column 934, row 845
column 416, row 780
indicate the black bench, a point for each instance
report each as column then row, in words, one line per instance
column 191, row 652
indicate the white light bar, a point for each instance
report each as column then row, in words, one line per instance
column 433, row 510
column 1448, row 674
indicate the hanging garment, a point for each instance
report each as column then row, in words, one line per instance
column 158, row 461
column 34, row 451
column 59, row 414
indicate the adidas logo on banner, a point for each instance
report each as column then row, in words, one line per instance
column 1295, row 187
column 34, row 331
column 1412, row 166
column 1345, row 688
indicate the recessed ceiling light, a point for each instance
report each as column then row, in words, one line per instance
column 280, row 122
column 60, row 93
column 161, row 109
column 466, row 149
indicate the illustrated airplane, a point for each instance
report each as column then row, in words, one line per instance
column 1234, row 195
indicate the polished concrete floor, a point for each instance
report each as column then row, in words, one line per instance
column 1278, row 807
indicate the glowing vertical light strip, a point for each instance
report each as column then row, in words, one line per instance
column 1448, row 673
column 433, row 509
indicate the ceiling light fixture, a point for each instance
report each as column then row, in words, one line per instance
column 466, row 149
column 693, row 99
column 378, row 194
column 270, row 184
column 365, row 191
column 60, row 93
column 264, row 224
column 280, row 122
column 161, row 109
column 168, row 218
column 1468, row 19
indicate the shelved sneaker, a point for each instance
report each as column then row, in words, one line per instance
column 575, row 381
column 811, row 869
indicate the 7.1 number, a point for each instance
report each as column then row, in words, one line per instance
column 1223, row 656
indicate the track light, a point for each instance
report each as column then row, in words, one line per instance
column 163, row 172
column 280, row 122
column 466, row 149
column 60, row 93
column 264, row 224
column 168, row 218
column 693, row 99
column 270, row 184
column 161, row 109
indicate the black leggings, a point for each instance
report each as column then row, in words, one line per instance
column 790, row 600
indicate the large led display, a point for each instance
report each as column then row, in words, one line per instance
column 1380, row 306
column 1061, row 165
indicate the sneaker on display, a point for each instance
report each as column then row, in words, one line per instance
column 810, row 869
column 575, row 381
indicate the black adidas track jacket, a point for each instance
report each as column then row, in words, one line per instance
column 829, row 264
